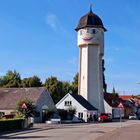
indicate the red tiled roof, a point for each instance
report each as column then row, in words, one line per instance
column 126, row 97
column 113, row 101
column 131, row 98
column 9, row 97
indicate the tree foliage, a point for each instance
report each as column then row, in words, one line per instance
column 11, row 79
column 74, row 85
column 58, row 89
column 114, row 93
column 66, row 88
column 31, row 82
column 54, row 87
column 28, row 110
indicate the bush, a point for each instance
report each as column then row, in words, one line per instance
column 62, row 113
column 49, row 113
column 9, row 124
column 26, row 108
column 66, row 114
column 71, row 113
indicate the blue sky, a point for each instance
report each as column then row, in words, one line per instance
column 37, row 37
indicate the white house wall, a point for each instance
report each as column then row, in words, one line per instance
column 108, row 108
column 75, row 104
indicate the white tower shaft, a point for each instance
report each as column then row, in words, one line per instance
column 90, row 75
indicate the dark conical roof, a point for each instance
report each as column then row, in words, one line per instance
column 90, row 20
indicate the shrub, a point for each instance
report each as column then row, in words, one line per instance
column 71, row 112
column 66, row 114
column 26, row 108
column 62, row 113
column 9, row 124
column 49, row 113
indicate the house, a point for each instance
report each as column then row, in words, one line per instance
column 131, row 98
column 9, row 97
column 111, row 106
column 133, row 101
column 84, row 110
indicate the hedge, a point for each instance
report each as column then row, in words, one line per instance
column 9, row 124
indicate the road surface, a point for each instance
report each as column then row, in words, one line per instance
column 126, row 133
column 100, row 131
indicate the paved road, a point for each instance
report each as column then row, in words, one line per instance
column 79, row 132
column 126, row 133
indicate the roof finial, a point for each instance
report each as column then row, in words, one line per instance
column 90, row 7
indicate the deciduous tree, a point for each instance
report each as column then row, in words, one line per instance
column 31, row 82
column 54, row 87
column 11, row 79
column 74, row 85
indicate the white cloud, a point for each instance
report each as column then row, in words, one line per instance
column 53, row 22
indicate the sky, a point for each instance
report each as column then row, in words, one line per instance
column 37, row 37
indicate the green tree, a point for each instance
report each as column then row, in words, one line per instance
column 26, row 108
column 58, row 89
column 74, row 85
column 114, row 93
column 54, row 87
column 31, row 82
column 11, row 79
column 66, row 88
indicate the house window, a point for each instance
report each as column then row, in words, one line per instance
column 68, row 103
column 80, row 115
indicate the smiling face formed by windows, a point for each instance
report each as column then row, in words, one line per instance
column 88, row 35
